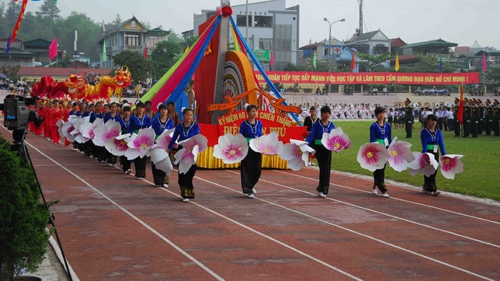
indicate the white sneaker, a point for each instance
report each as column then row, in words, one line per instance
column 322, row 195
column 128, row 171
column 374, row 191
column 254, row 191
column 385, row 194
column 251, row 195
column 165, row 185
column 185, row 200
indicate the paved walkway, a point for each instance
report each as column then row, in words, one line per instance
column 114, row 227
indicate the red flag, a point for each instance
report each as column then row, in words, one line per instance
column 353, row 62
column 460, row 113
column 146, row 51
column 484, row 61
column 18, row 23
column 53, row 49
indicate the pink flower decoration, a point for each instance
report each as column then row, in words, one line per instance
column 231, row 149
column 400, row 155
column 336, row 140
column 451, row 165
column 106, row 131
column 423, row 163
column 66, row 129
column 118, row 145
column 267, row 144
column 187, row 156
column 372, row 156
column 160, row 158
column 140, row 144
column 296, row 153
column 164, row 139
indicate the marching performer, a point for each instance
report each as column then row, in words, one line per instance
column 251, row 165
column 380, row 132
column 139, row 121
column 432, row 142
column 185, row 130
column 160, row 124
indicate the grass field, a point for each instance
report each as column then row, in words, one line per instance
column 481, row 176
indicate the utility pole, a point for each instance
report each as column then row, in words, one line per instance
column 360, row 16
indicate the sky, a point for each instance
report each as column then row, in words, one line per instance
column 457, row 21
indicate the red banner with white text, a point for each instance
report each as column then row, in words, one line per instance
column 408, row 78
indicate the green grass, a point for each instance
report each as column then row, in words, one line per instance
column 481, row 160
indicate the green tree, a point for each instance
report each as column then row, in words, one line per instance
column 22, row 217
column 164, row 56
column 430, row 63
column 138, row 65
column 373, row 62
column 493, row 74
column 11, row 71
column 50, row 9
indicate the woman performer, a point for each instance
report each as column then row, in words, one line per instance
column 185, row 130
column 432, row 139
column 251, row 165
column 111, row 115
column 139, row 121
column 380, row 132
column 323, row 155
column 160, row 124
column 126, row 129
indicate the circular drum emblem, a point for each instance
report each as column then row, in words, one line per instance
column 238, row 77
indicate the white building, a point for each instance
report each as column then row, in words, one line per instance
column 272, row 28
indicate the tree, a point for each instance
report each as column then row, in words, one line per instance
column 373, row 62
column 11, row 72
column 430, row 63
column 22, row 217
column 493, row 74
column 50, row 9
column 164, row 56
column 138, row 65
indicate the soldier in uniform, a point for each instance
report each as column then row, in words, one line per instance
column 496, row 118
column 474, row 118
column 409, row 119
column 488, row 116
column 456, row 122
column 467, row 118
column 480, row 116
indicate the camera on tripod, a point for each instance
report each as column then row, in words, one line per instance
column 17, row 114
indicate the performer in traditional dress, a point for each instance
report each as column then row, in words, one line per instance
column 308, row 122
column 432, row 141
column 126, row 129
column 140, row 121
column 160, row 124
column 185, row 130
column 323, row 155
column 111, row 115
column 251, row 165
column 380, row 132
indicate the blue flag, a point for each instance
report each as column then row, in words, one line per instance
column 440, row 64
column 7, row 49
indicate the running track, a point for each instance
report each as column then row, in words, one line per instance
column 115, row 227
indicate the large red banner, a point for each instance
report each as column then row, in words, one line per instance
column 408, row 78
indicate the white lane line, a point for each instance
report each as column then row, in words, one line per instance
column 403, row 200
column 205, row 208
column 193, row 259
column 351, row 231
column 387, row 215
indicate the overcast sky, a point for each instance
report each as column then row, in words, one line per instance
column 458, row 21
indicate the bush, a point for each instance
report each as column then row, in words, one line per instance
column 23, row 219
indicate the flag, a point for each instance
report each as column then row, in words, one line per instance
column 460, row 113
column 396, row 64
column 314, row 60
column 104, row 55
column 353, row 62
column 271, row 61
column 484, row 61
column 7, row 49
column 19, row 19
column 53, row 49
column 146, row 51
column 440, row 64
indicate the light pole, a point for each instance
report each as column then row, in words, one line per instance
column 330, row 43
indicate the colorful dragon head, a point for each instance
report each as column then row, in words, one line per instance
column 123, row 77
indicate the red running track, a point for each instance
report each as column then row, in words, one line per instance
column 115, row 227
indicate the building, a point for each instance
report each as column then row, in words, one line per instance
column 18, row 55
column 371, row 43
column 130, row 35
column 272, row 29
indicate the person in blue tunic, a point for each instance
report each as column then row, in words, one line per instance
column 126, row 129
column 251, row 165
column 111, row 115
column 380, row 132
column 185, row 130
column 139, row 121
column 323, row 155
column 160, row 124
column 432, row 142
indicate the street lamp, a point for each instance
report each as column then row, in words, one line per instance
column 330, row 42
